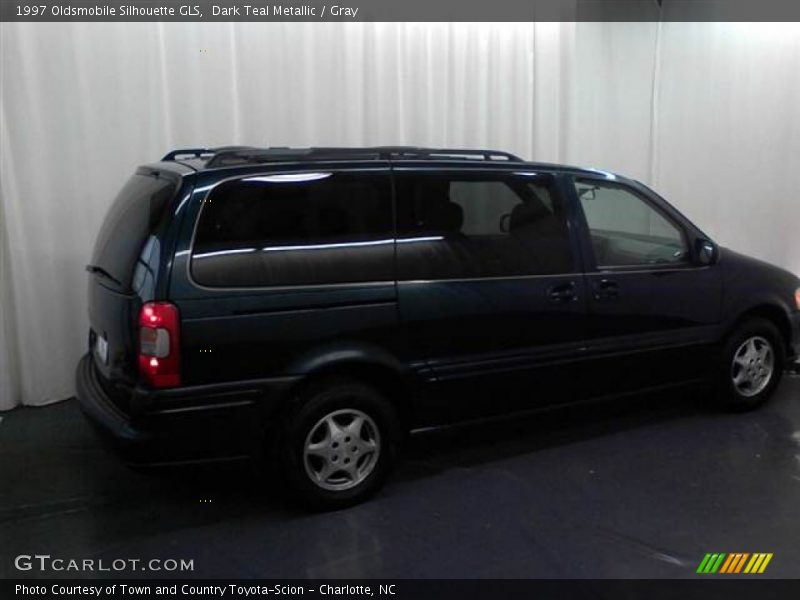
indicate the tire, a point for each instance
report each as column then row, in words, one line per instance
column 751, row 365
column 337, row 444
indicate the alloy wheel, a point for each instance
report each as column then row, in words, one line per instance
column 341, row 449
column 753, row 366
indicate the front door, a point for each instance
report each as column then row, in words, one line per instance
column 652, row 310
column 489, row 291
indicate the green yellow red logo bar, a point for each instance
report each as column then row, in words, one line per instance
column 735, row 562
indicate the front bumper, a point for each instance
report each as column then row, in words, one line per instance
column 192, row 423
column 794, row 345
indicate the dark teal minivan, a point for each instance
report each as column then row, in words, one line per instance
column 319, row 304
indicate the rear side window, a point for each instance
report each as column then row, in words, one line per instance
column 295, row 229
column 465, row 225
column 133, row 216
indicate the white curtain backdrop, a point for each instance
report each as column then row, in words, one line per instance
column 709, row 114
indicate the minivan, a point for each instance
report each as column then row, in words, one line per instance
column 319, row 304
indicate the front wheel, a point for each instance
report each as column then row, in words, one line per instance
column 752, row 365
column 338, row 444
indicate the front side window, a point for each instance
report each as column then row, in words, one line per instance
column 464, row 225
column 626, row 230
column 295, row 229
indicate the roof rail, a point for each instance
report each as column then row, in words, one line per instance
column 413, row 152
column 239, row 156
column 196, row 152
column 201, row 152
column 230, row 156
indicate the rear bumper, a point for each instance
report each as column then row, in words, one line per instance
column 181, row 424
column 101, row 412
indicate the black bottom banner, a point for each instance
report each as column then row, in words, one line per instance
column 412, row 589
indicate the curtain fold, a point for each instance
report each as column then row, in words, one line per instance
column 84, row 103
column 10, row 393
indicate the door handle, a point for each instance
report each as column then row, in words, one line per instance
column 606, row 288
column 564, row 292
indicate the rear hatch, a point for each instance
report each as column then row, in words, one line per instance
column 123, row 267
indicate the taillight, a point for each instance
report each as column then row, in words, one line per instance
column 159, row 344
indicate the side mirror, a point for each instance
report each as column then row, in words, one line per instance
column 705, row 252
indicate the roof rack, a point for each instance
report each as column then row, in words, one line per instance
column 239, row 155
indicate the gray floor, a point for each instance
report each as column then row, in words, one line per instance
column 639, row 488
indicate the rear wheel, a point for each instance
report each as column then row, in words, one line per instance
column 338, row 444
column 752, row 365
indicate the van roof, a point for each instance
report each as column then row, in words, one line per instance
column 204, row 159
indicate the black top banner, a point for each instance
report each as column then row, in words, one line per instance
column 400, row 10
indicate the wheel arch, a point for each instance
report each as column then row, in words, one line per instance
column 366, row 363
column 773, row 313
